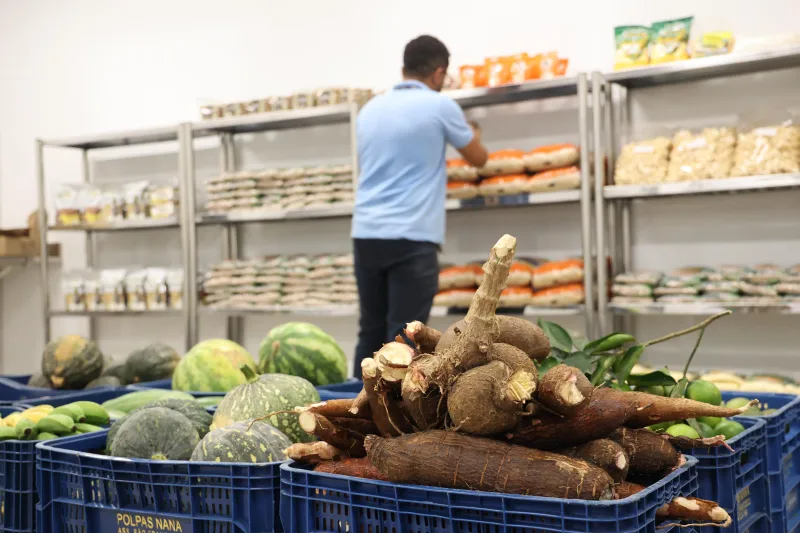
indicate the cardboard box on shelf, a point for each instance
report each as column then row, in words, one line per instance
column 25, row 242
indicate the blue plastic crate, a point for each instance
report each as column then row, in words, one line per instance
column 15, row 388
column 98, row 395
column 351, row 386
column 312, row 502
column 737, row 480
column 82, row 491
column 167, row 384
column 17, row 493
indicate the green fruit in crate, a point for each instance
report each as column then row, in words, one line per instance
column 157, row 433
column 682, row 430
column 7, row 433
column 71, row 362
column 39, row 381
column 153, row 362
column 263, row 395
column 663, row 426
column 212, row 366
column 87, row 428
column 115, row 370
column 104, row 381
column 44, row 435
column 134, row 400
column 704, row 391
column 75, row 412
column 243, row 442
column 93, row 412
column 26, row 430
column 657, row 390
column 739, row 402
column 304, row 350
column 191, row 409
column 706, row 431
column 729, row 428
column 58, row 424
column 712, row 421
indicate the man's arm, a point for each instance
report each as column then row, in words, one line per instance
column 465, row 137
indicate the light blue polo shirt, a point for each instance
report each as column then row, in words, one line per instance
column 402, row 187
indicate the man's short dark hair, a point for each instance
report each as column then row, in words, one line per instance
column 424, row 55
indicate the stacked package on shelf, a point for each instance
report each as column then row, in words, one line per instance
column 299, row 100
column 558, row 284
column 97, row 206
column 284, row 281
column 119, row 289
column 508, row 172
column 280, row 189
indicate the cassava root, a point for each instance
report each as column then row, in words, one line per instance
column 518, row 332
column 649, row 453
column 336, row 409
column 337, row 436
column 361, row 467
column 604, row 453
column 425, row 337
column 564, row 389
column 314, row 452
column 684, row 509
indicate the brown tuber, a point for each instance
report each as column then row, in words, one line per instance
column 683, row 509
column 393, row 360
column 425, row 337
column 387, row 413
column 564, row 389
column 361, row 467
column 649, row 453
column 448, row 459
column 338, row 437
column 518, row 332
column 604, row 453
column 314, row 452
column 489, row 399
column 336, row 409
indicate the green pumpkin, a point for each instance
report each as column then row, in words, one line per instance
column 212, row 366
column 158, row 434
column 115, row 370
column 263, row 395
column 191, row 409
column 153, row 362
column 39, row 381
column 71, row 362
column 104, row 381
column 243, row 442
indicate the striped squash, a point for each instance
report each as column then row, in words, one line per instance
column 304, row 350
column 212, row 366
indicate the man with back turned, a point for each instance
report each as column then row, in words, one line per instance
column 399, row 217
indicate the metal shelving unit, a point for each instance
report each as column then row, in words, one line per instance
column 612, row 119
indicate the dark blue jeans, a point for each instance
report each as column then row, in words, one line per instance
column 397, row 280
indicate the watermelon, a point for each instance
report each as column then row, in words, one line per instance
column 267, row 394
column 243, row 442
column 304, row 350
column 157, row 433
column 212, row 366
column 71, row 362
column 153, row 362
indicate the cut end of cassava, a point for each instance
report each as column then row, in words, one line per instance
column 621, row 462
column 505, row 245
column 393, row 360
column 718, row 514
column 521, row 386
column 569, row 394
column 313, row 452
column 308, row 422
column 369, row 368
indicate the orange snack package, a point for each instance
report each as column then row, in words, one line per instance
column 456, row 277
column 516, row 297
column 472, row 76
column 460, row 170
column 454, row 297
column 518, row 68
column 498, row 72
column 549, row 65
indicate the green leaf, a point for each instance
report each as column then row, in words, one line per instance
column 546, row 364
column 558, row 354
column 580, row 342
column 580, row 360
column 558, row 336
column 599, row 374
column 679, row 390
column 653, row 378
column 695, row 426
column 612, row 341
column 623, row 365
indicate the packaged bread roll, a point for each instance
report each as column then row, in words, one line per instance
column 460, row 170
column 503, row 185
column 503, row 162
column 562, row 296
column 516, row 297
column 454, row 298
column 560, row 179
column 556, row 273
column 461, row 190
column 551, row 156
column 457, row 277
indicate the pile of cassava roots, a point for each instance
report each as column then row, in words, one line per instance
column 466, row 409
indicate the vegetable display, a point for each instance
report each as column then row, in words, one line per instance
column 71, row 362
column 304, row 350
column 212, row 366
column 44, row 422
column 243, row 442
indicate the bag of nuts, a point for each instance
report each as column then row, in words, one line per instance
column 768, row 150
column 643, row 162
column 701, row 156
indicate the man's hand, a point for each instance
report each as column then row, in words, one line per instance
column 475, row 153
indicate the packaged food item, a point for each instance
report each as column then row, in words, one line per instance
column 280, row 103
column 768, row 150
column 68, row 205
column 457, row 277
column 91, row 289
column 518, row 68
column 72, row 286
column 751, row 289
column 498, row 71
column 473, row 76
column 553, row 273
column 461, row 190
column 712, row 43
column 519, row 274
column 643, row 162
column 791, row 288
column 330, row 96
column 503, row 162
column 135, row 200
column 135, row 291
column 516, row 297
column 728, row 273
column 156, row 290
column 91, row 205
column 711, row 296
column 678, row 299
column 645, row 277
column 707, row 155
column 551, row 66
column 112, row 206
column 631, row 43
column 633, row 289
column 460, row 170
column 761, row 300
column 234, row 109
column 631, row 300
column 454, row 298
column 560, row 179
column 725, row 286
column 210, row 111
column 765, row 274
column 551, row 156
column 664, row 291
column 112, row 287
column 669, row 40
column 303, row 100
column 503, row 185
column 561, row 296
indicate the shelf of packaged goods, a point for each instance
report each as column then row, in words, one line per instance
column 126, row 313
column 122, row 138
column 727, row 185
column 539, row 198
column 123, row 225
column 275, row 120
column 710, row 308
column 700, row 69
column 335, row 310
column 508, row 94
column 439, row 311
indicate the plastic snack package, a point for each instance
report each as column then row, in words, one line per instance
column 73, row 288
column 551, row 156
column 768, row 150
column 665, row 291
column 457, row 277
column 561, row 296
column 112, row 287
column 553, row 273
column 631, row 46
column 711, row 296
column 503, row 185
column 751, row 289
column 135, row 290
column 518, row 67
column 91, row 290
column 631, row 300
column 280, row 103
column 135, row 201
column 155, row 289
column 460, row 170
column 503, row 162
column 303, row 100
column 706, row 155
column 497, row 71
column 645, row 277
column 712, row 43
column 638, row 290
column 669, row 40
column 175, row 287
column 678, row 299
column 473, row 76
column 516, row 297
column 461, row 190
column 550, row 65
column 68, row 205
column 643, row 162
column 791, row 288
column 725, row 286
column 560, row 179
column 330, row 96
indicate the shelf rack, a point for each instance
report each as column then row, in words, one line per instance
column 613, row 202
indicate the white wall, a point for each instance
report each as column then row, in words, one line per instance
column 87, row 66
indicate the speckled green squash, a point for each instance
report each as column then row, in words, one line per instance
column 153, row 362
column 267, row 394
column 71, row 362
column 191, row 409
column 157, row 433
column 243, row 442
column 212, row 366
